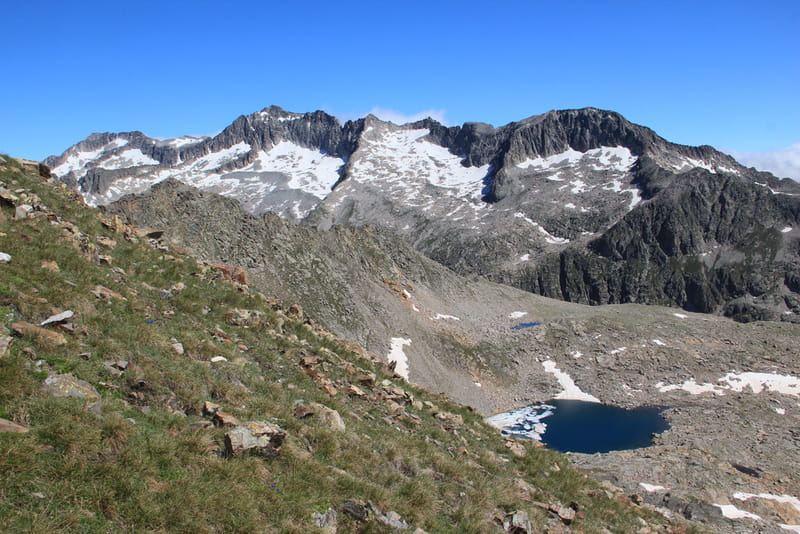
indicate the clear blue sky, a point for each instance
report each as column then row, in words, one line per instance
column 697, row 72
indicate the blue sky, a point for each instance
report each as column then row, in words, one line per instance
column 697, row 72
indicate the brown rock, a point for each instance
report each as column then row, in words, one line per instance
column 103, row 292
column 50, row 266
column 366, row 379
column 566, row 514
column 106, row 242
column 310, row 361
column 113, row 223
column 330, row 390
column 355, row 391
column 40, row 334
column 303, row 410
column 149, row 233
column 210, row 408
column 10, row 426
column 225, row 419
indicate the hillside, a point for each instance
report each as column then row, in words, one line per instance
column 731, row 388
column 129, row 414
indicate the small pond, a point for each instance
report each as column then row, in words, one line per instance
column 580, row 426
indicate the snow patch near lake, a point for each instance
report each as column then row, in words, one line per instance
column 441, row 316
column 526, row 422
column 517, row 314
column 396, row 354
column 570, row 390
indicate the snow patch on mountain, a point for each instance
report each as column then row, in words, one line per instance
column 309, row 170
column 78, row 161
column 132, row 157
column 404, row 157
column 602, row 159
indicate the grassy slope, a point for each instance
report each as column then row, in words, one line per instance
column 144, row 464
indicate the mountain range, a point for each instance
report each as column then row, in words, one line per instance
column 580, row 205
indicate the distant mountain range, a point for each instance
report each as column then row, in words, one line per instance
column 580, row 205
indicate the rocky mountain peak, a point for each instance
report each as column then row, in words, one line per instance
column 520, row 203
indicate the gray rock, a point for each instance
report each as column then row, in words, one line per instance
column 329, row 418
column 328, row 521
column 22, row 211
column 260, row 438
column 5, row 343
column 68, row 386
column 517, row 523
column 356, row 509
column 58, row 318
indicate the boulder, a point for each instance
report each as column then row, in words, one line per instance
column 260, row 438
column 328, row 521
column 225, row 419
column 5, row 343
column 22, row 211
column 329, row 417
column 356, row 509
column 5, row 258
column 58, row 318
column 69, row 386
column 517, row 523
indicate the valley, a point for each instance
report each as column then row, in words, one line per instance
column 468, row 257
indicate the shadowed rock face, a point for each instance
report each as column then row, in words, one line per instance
column 580, row 205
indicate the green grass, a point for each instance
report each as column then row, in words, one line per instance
column 143, row 463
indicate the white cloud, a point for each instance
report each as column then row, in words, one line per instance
column 783, row 163
column 401, row 118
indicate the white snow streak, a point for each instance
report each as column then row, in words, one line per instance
column 650, row 488
column 731, row 512
column 396, row 354
column 570, row 390
column 517, row 314
column 128, row 158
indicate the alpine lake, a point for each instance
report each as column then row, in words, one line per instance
column 584, row 427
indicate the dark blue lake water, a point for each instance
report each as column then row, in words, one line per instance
column 587, row 427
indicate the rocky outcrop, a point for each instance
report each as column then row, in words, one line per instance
column 711, row 243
